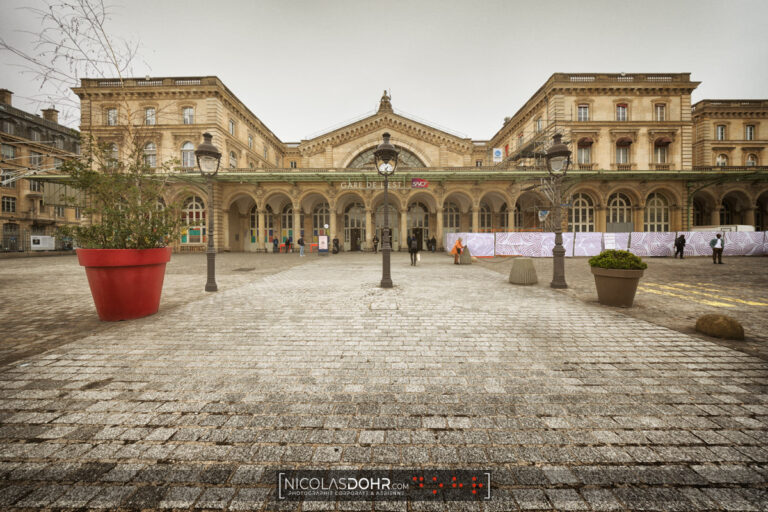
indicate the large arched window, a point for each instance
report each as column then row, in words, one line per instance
column 188, row 155
column 354, row 219
column 518, row 217
column 698, row 213
column 485, row 218
column 150, row 154
column 451, row 218
column 582, row 214
column 656, row 213
column 722, row 160
column 405, row 159
column 286, row 219
column 751, row 160
column 321, row 215
column 193, row 221
column 619, row 209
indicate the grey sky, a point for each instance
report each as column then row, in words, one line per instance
column 303, row 66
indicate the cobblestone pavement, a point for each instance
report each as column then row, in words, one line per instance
column 570, row 405
column 674, row 293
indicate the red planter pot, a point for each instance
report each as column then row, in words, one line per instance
column 125, row 283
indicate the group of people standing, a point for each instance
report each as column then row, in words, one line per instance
column 717, row 244
column 288, row 244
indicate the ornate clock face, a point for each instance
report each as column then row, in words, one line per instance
column 385, row 168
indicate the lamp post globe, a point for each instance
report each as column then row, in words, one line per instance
column 558, row 160
column 385, row 160
column 208, row 160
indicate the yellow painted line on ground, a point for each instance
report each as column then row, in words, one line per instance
column 709, row 285
column 691, row 289
column 686, row 297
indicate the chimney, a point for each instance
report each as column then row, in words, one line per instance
column 5, row 96
column 51, row 114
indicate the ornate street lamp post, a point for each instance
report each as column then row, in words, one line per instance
column 208, row 159
column 385, row 159
column 558, row 160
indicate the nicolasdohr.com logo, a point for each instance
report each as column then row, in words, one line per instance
column 381, row 485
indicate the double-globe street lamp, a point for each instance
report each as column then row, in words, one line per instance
column 385, row 160
column 208, row 159
column 558, row 160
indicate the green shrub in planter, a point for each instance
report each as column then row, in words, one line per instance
column 612, row 258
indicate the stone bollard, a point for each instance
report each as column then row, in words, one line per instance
column 720, row 326
column 522, row 272
column 466, row 257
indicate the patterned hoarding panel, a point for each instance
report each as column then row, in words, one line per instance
column 652, row 244
column 505, row 244
column 588, row 244
column 697, row 243
column 568, row 244
column 480, row 244
column 744, row 243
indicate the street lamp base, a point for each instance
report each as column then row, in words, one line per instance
column 557, row 285
column 386, row 283
column 211, row 287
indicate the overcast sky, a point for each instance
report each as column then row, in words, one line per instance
column 305, row 66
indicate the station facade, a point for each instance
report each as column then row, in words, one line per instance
column 644, row 159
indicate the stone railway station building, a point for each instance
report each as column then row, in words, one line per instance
column 643, row 159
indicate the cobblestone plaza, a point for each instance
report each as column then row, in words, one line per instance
column 571, row 406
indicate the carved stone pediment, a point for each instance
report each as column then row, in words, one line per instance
column 622, row 133
column 662, row 134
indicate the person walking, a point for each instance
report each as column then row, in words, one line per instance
column 275, row 245
column 288, row 243
column 717, row 244
column 433, row 243
column 413, row 248
column 456, row 251
column 375, row 244
column 300, row 241
column 679, row 246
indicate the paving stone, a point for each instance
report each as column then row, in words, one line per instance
column 180, row 497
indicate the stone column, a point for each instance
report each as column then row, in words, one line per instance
column 368, row 230
column 296, row 222
column 714, row 220
column 261, row 230
column 475, row 220
column 749, row 215
column 439, row 233
column 638, row 217
column 403, row 229
column 332, row 234
column 600, row 220
column 511, row 219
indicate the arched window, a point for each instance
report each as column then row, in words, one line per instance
column 254, row 218
column 751, row 160
column 722, row 160
column 656, row 213
column 485, row 219
column 504, row 217
column 582, row 214
column 321, row 215
column 286, row 219
column 232, row 160
column 518, row 217
column 150, row 154
column 698, row 213
column 619, row 209
column 354, row 218
column 451, row 218
column 726, row 213
column 193, row 221
column 393, row 223
column 418, row 217
column 188, row 155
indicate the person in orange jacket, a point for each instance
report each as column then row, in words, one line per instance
column 456, row 251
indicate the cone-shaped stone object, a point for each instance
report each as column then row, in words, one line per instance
column 522, row 272
column 466, row 256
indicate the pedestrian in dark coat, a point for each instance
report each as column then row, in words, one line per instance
column 717, row 244
column 679, row 246
column 275, row 245
column 413, row 248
